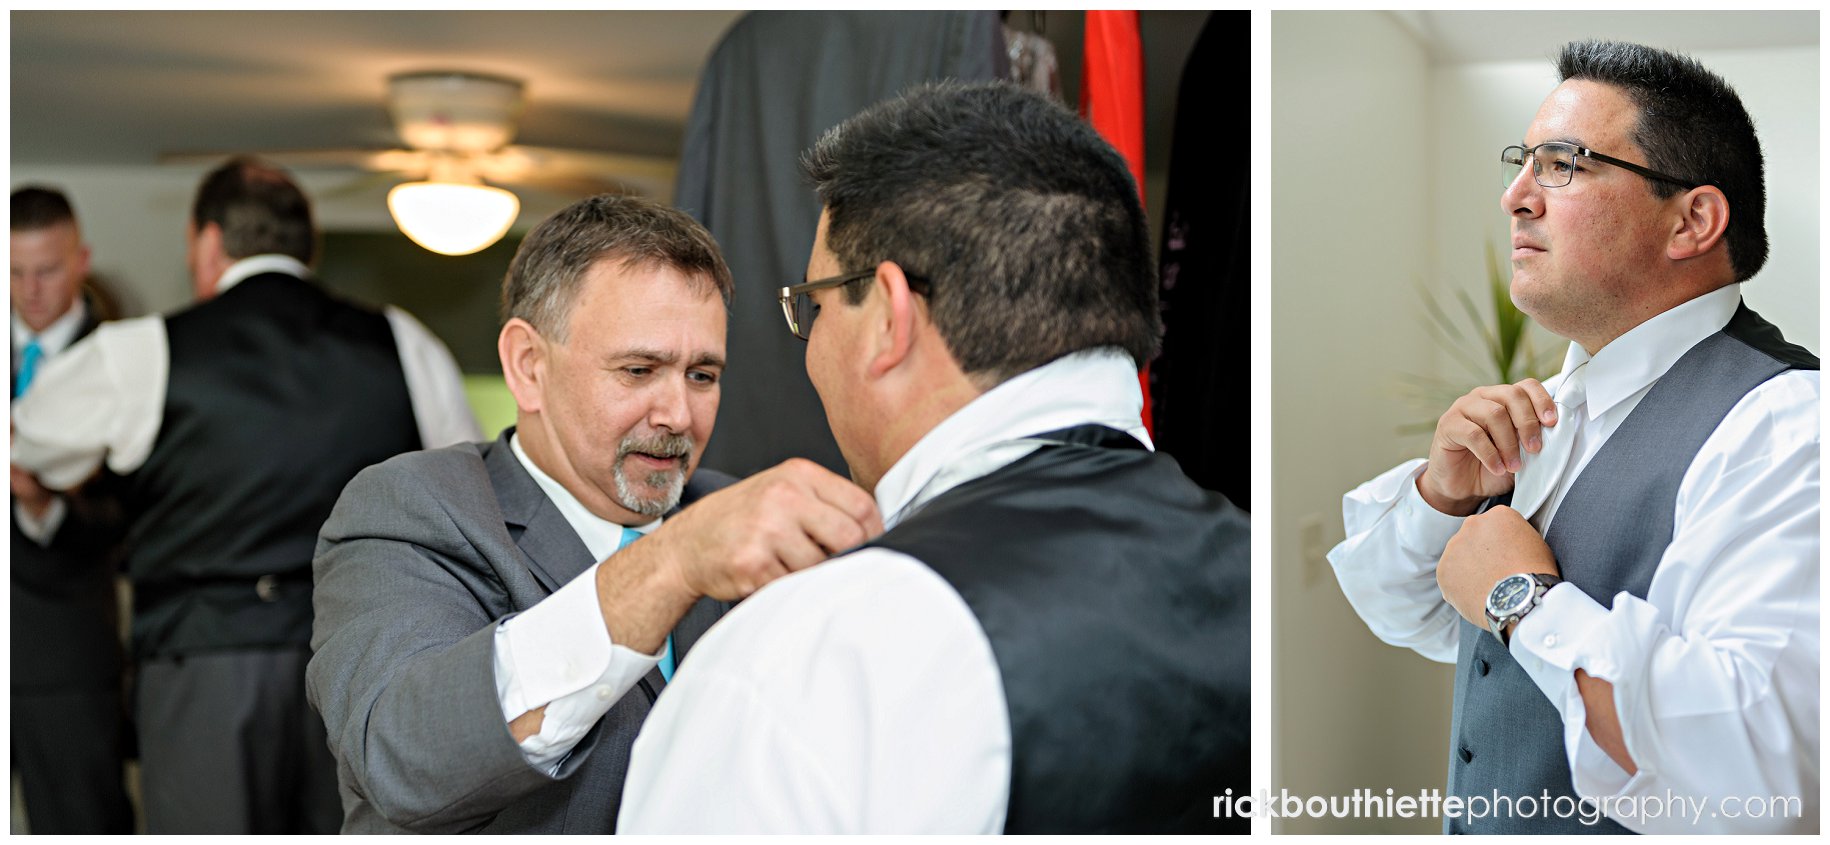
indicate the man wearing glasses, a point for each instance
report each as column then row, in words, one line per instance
column 1052, row 634
column 1623, row 561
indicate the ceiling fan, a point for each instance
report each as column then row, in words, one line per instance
column 457, row 127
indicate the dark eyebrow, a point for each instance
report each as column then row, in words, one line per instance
column 648, row 356
column 662, row 358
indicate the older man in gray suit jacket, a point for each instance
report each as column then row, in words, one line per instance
column 485, row 648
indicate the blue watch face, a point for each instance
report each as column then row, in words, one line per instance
column 1509, row 595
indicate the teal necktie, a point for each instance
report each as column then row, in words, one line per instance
column 28, row 367
column 631, row 535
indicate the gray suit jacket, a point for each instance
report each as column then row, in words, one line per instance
column 423, row 556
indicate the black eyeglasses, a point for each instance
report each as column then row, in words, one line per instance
column 1553, row 164
column 799, row 308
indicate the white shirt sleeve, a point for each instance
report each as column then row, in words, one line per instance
column 858, row 696
column 1387, row 564
column 558, row 654
column 434, row 383
column 1715, row 672
column 102, row 399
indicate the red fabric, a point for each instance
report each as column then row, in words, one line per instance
column 1112, row 99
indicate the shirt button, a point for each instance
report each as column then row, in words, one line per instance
column 1467, row 756
column 1550, row 640
column 603, row 693
column 1480, row 667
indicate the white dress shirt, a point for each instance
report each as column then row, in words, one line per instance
column 1715, row 671
column 558, row 654
column 55, row 338
column 861, row 695
column 104, row 400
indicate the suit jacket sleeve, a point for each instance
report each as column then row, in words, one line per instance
column 408, row 596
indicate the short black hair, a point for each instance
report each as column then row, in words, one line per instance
column 1691, row 125
column 259, row 209
column 36, row 207
column 1024, row 222
column 544, row 276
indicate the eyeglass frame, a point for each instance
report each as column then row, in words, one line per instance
column 1585, row 152
column 788, row 294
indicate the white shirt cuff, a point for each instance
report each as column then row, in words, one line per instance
column 558, row 655
column 1422, row 529
column 41, row 529
column 1568, row 631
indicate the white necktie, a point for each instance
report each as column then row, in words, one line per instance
column 1539, row 474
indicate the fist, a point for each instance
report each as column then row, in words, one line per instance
column 785, row 519
column 1489, row 546
column 30, row 494
column 1478, row 441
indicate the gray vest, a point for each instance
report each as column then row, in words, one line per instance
column 1608, row 537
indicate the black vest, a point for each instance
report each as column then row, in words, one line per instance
column 1116, row 597
column 1608, row 536
column 278, row 394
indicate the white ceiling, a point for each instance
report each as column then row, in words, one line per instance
column 1461, row 37
column 122, row 87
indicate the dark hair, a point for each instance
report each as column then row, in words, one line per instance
column 543, row 278
column 40, row 208
column 259, row 209
column 1025, row 223
column 1691, row 125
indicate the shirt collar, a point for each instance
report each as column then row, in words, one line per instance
column 56, row 336
column 1093, row 386
column 601, row 536
column 255, row 265
column 1638, row 358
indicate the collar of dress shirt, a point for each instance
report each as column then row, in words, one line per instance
column 1093, row 386
column 601, row 536
column 56, row 336
column 1639, row 357
column 255, row 265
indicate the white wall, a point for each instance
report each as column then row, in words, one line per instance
column 1350, row 238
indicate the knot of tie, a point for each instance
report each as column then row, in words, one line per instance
column 28, row 367
column 1540, row 474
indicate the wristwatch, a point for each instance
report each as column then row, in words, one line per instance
column 1513, row 597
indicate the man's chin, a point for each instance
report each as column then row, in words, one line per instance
column 655, row 494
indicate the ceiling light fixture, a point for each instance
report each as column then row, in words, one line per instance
column 452, row 218
column 456, row 117
column 453, row 212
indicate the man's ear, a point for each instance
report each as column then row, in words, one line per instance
column 208, row 261
column 524, row 357
column 1703, row 224
column 895, row 323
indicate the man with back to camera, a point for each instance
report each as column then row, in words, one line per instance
column 1052, row 634
column 486, row 647
column 68, row 721
column 1661, row 637
column 231, row 425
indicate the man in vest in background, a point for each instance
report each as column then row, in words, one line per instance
column 492, row 625
column 232, row 426
column 68, row 720
column 1623, row 561
column 1052, row 635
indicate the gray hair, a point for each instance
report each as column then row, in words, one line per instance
column 544, row 277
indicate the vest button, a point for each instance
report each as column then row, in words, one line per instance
column 1466, row 755
column 1480, row 667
